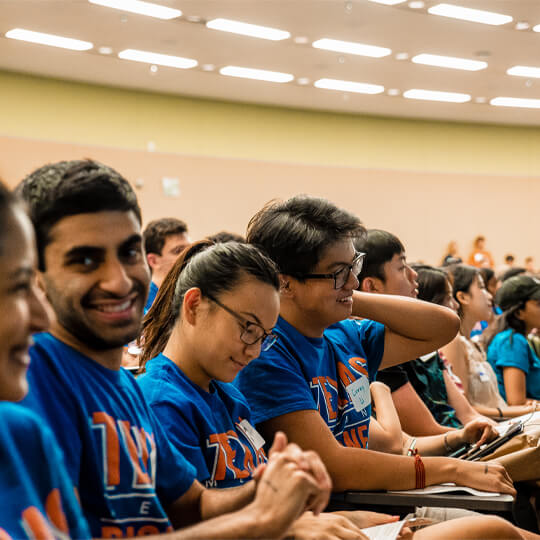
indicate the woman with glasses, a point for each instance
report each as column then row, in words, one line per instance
column 212, row 316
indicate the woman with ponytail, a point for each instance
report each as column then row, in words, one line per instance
column 211, row 317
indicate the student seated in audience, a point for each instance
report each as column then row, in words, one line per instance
column 480, row 256
column 515, row 362
column 38, row 500
column 386, row 272
column 213, row 315
column 314, row 382
column 164, row 239
column 492, row 284
column 129, row 478
column 452, row 256
column 467, row 357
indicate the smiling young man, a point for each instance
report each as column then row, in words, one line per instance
column 313, row 384
column 129, row 479
column 385, row 271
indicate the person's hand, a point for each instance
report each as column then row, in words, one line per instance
column 478, row 432
column 326, row 526
column 291, row 482
column 486, row 476
column 363, row 519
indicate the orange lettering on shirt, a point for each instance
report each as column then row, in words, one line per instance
column 359, row 364
column 111, row 532
column 37, row 524
column 356, row 437
column 112, row 446
column 143, row 477
column 321, row 382
column 226, row 456
column 55, row 512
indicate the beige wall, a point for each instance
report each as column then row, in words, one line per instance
column 429, row 182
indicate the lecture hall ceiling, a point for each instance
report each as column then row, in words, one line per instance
column 406, row 29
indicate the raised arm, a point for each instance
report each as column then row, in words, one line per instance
column 413, row 327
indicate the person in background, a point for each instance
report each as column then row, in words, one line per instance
column 467, row 357
column 164, row 239
column 515, row 362
column 479, row 256
column 529, row 265
column 492, row 284
column 515, row 271
column 129, row 478
column 452, row 256
column 386, row 272
column 226, row 236
column 38, row 500
column 509, row 261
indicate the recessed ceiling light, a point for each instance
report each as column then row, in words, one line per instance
column 536, row 28
column 351, row 47
column 515, row 102
column 157, row 58
column 416, row 4
column 388, row 2
column 434, row 95
column 349, row 86
column 524, row 71
column 142, row 8
column 449, row 62
column 469, row 14
column 105, row 50
column 208, row 67
column 301, row 40
column 393, row 92
column 522, row 25
column 49, row 39
column 257, row 74
column 480, row 99
column 302, row 81
column 246, row 29
column 402, row 56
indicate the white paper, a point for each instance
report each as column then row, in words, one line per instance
column 450, row 487
column 359, row 393
column 388, row 531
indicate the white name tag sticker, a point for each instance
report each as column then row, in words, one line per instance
column 359, row 394
column 484, row 377
column 251, row 434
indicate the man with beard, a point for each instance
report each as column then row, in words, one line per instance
column 130, row 481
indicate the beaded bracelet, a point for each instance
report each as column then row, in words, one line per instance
column 420, row 471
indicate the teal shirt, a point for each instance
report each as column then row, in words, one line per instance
column 511, row 349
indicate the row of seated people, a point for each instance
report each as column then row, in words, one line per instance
column 273, row 316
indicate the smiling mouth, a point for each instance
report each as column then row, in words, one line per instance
column 346, row 300
column 115, row 308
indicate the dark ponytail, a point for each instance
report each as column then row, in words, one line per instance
column 212, row 268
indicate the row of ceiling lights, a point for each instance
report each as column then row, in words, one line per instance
column 162, row 12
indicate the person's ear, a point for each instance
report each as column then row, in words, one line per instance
column 372, row 285
column 285, row 286
column 519, row 314
column 462, row 297
column 152, row 259
column 191, row 307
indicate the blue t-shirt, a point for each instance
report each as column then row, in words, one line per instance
column 151, row 296
column 511, row 349
column 37, row 497
column 329, row 374
column 203, row 425
column 116, row 453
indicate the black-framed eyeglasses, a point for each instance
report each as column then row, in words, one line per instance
column 341, row 276
column 251, row 331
